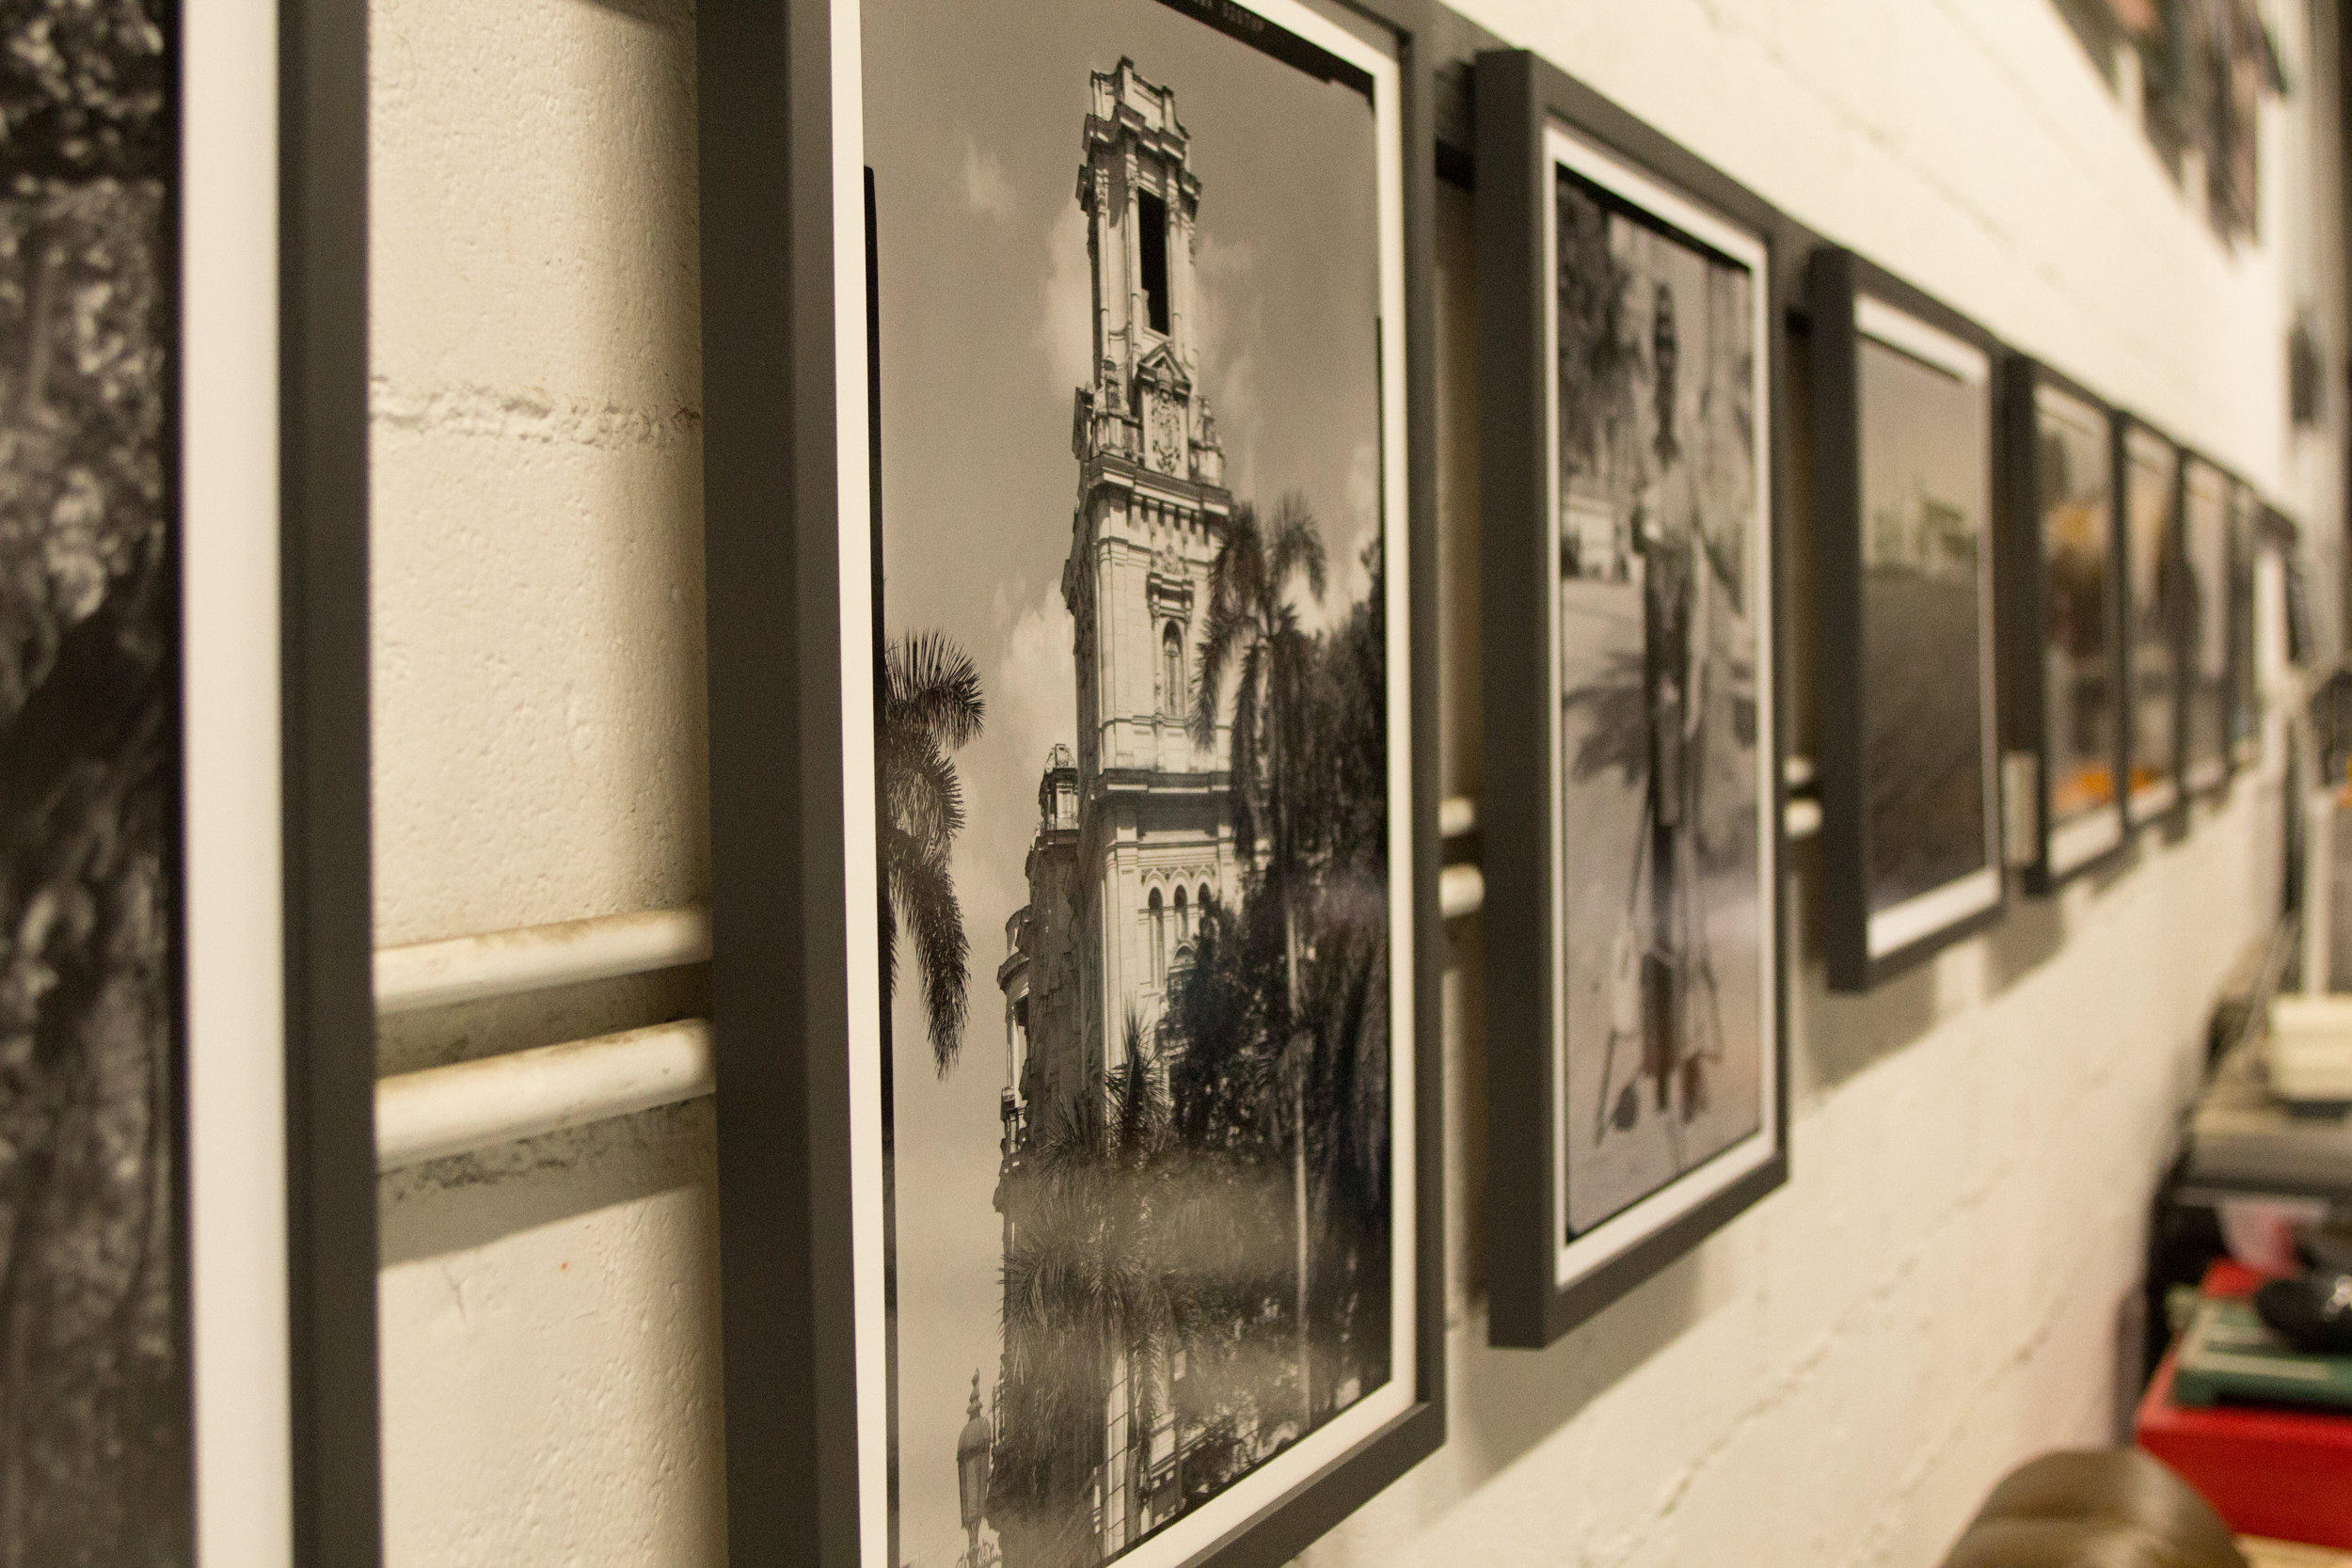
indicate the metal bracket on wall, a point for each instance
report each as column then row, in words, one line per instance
column 470, row 1106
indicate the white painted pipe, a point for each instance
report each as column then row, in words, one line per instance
column 535, row 957
column 1461, row 889
column 502, row 1099
column 1457, row 817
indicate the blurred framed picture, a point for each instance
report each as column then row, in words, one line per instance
column 1075, row 864
column 188, row 1183
column 2154, row 740
column 2247, row 538
column 2208, row 600
column 1903, row 439
column 2061, row 615
column 1631, row 820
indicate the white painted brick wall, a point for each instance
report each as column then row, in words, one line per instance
column 1836, row 1378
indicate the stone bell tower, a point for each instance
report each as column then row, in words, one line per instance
column 1155, row 836
column 1134, row 835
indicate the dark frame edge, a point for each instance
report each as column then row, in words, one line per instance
column 1514, row 556
column 328, row 906
column 778, row 977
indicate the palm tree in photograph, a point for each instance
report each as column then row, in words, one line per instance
column 1254, row 634
column 927, row 705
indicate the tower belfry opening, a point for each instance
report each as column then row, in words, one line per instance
column 1152, row 238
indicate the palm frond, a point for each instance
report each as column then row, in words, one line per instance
column 924, row 897
column 1297, row 546
column 934, row 686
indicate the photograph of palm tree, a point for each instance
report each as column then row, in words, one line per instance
column 2081, row 714
column 2205, row 620
column 2153, row 575
column 1134, row 706
column 1662, row 893
column 1926, row 433
column 95, row 1450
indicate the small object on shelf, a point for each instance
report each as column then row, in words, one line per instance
column 2311, row 1049
column 2229, row 1353
column 2313, row 1312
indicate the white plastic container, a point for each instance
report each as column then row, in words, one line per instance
column 2311, row 1048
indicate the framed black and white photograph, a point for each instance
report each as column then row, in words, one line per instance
column 2154, row 600
column 2208, row 600
column 2247, row 545
column 2062, row 615
column 1072, row 654
column 188, row 1185
column 1904, row 432
column 1631, row 814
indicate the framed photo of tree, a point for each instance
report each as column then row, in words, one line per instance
column 2208, row 600
column 1071, row 657
column 188, row 1182
column 2154, row 607
column 1911, row 806
column 2061, row 615
column 1632, row 818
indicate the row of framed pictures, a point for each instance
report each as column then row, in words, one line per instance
column 2033, row 630
column 1072, row 576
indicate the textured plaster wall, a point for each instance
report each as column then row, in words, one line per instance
column 1837, row 1377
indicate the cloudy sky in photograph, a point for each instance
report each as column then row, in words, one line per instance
column 973, row 116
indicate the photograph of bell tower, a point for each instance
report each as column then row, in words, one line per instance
column 1135, row 714
column 1149, row 844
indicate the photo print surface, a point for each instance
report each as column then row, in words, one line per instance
column 2151, row 498
column 2205, row 620
column 1140, row 728
column 1927, row 741
column 2082, row 711
column 1663, row 711
column 96, row 1451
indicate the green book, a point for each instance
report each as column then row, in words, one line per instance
column 2231, row 1353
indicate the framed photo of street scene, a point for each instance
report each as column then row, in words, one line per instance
column 1632, row 818
column 2208, row 639
column 2061, row 613
column 188, row 1182
column 1072, row 637
column 2153, row 580
column 1903, row 440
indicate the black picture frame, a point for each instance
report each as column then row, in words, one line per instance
column 328, row 871
column 2243, row 721
column 2059, row 846
column 2208, row 577
column 1845, row 293
column 190, row 764
column 790, row 622
column 2150, row 468
column 1536, row 125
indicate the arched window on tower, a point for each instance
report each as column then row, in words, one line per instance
column 1157, row 931
column 1172, row 670
column 1183, row 920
